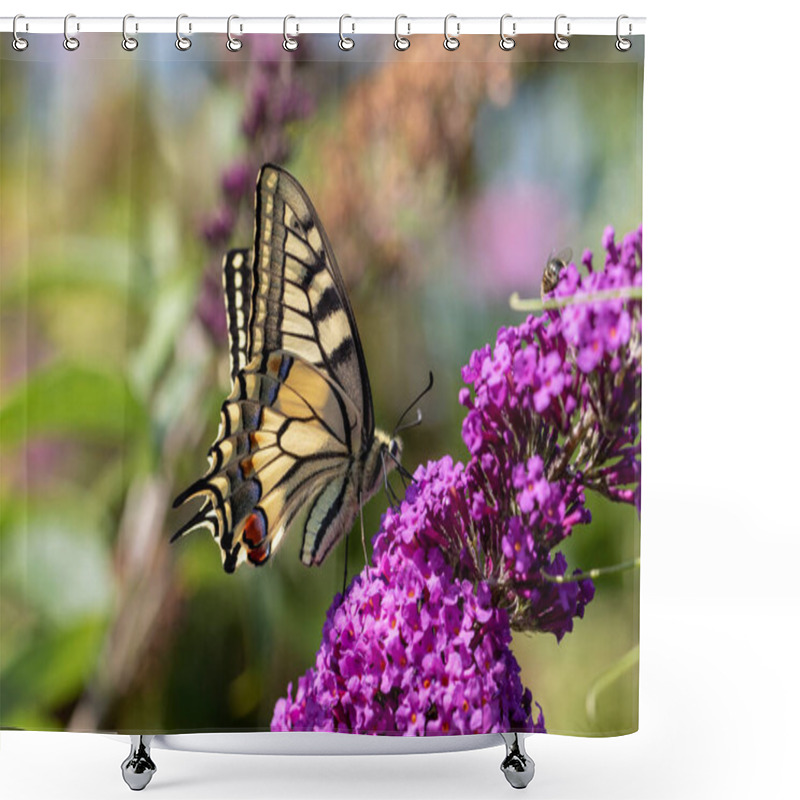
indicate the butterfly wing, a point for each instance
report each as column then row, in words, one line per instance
column 237, row 281
column 300, row 303
column 300, row 411
column 282, row 439
column 331, row 514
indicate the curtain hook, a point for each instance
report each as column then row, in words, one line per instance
column 623, row 44
column 561, row 43
column 129, row 43
column 18, row 43
column 345, row 43
column 233, row 44
column 289, row 42
column 182, row 42
column 506, row 42
column 400, row 42
column 451, row 42
column 70, row 42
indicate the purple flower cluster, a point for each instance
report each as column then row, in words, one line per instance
column 274, row 99
column 554, row 411
column 420, row 641
column 412, row 648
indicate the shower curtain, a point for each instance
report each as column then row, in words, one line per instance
column 373, row 318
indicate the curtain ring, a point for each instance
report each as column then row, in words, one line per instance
column 560, row 43
column 129, row 43
column 233, row 44
column 345, row 43
column 182, row 42
column 18, row 43
column 70, row 42
column 623, row 44
column 289, row 42
column 400, row 42
column 506, row 42
column 451, row 42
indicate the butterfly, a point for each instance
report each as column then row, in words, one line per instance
column 297, row 431
column 552, row 270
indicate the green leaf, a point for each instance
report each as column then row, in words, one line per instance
column 170, row 309
column 77, row 264
column 52, row 671
column 71, row 398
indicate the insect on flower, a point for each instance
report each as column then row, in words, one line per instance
column 552, row 270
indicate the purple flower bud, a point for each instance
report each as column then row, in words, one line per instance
column 237, row 181
column 218, row 228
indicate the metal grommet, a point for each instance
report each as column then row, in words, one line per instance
column 70, row 42
column 506, row 42
column 18, row 43
column 400, row 42
column 129, row 43
column 182, row 42
column 451, row 42
column 560, row 43
column 623, row 44
column 233, row 44
column 345, row 43
column 289, row 42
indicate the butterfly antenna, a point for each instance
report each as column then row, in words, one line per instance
column 400, row 427
column 416, row 421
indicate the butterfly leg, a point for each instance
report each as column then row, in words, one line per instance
column 517, row 766
column 394, row 500
column 138, row 768
column 404, row 473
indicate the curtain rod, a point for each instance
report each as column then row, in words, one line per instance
column 406, row 26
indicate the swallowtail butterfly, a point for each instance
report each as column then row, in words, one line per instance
column 297, row 432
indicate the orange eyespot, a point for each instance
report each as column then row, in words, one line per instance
column 255, row 531
column 258, row 555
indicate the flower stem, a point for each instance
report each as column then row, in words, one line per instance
column 598, row 572
column 518, row 303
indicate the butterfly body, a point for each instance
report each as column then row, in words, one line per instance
column 297, row 430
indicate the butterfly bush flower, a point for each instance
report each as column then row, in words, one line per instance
column 413, row 648
column 420, row 641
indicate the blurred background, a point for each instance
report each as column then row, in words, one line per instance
column 444, row 181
